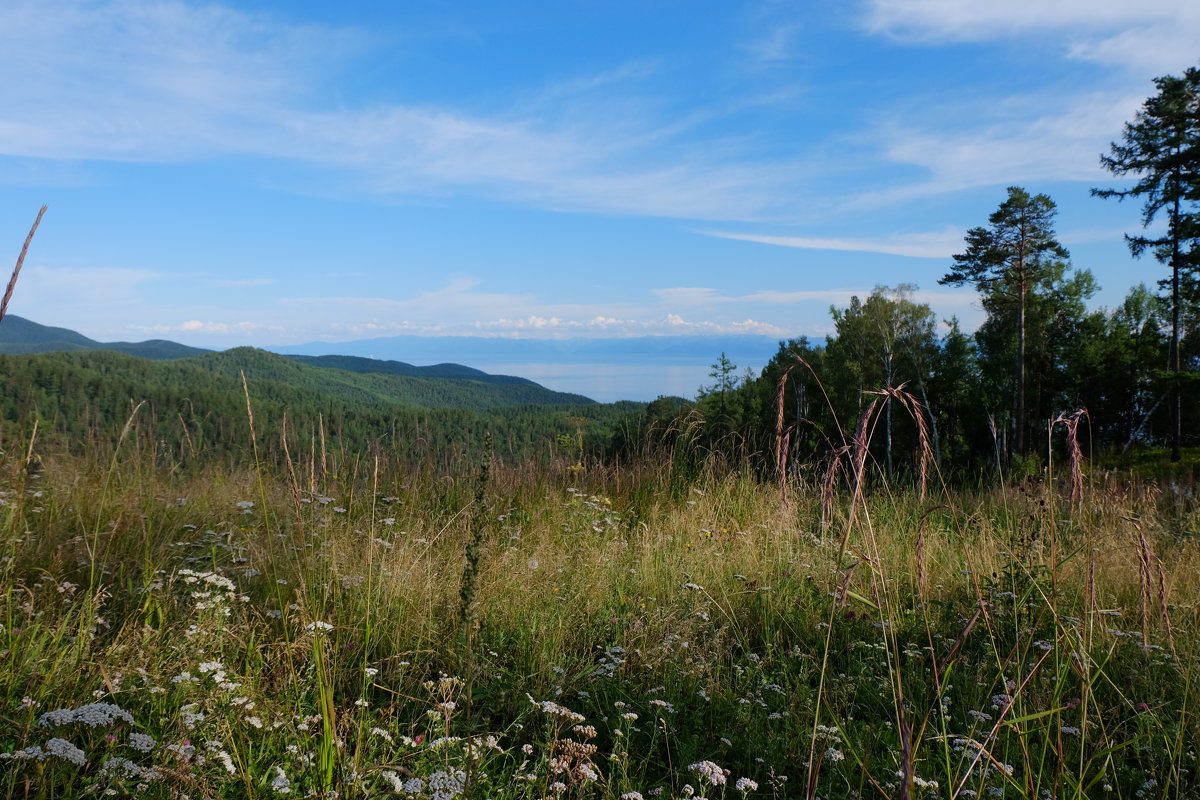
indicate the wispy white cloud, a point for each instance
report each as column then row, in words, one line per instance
column 195, row 326
column 461, row 308
column 690, row 296
column 1012, row 140
column 1149, row 34
column 144, row 81
column 936, row 244
column 777, row 43
column 44, row 289
column 686, row 296
column 991, row 138
column 138, row 80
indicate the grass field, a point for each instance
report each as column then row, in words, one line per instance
column 361, row 631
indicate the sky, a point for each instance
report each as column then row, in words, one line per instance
column 274, row 173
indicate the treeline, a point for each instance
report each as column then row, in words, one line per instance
column 810, row 398
column 1126, row 375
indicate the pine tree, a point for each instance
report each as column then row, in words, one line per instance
column 1162, row 148
column 1014, row 257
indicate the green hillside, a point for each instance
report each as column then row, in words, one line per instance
column 193, row 406
column 21, row 336
column 360, row 364
column 366, row 387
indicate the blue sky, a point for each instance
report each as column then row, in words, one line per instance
column 272, row 173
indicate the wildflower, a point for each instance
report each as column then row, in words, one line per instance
column 558, row 787
column 29, row 753
column 833, row 754
column 219, row 754
column 1069, row 730
column 446, row 784
column 190, row 716
column 123, row 768
column 318, row 627
column 280, row 784
column 245, row 505
column 632, row 796
column 745, row 785
column 93, row 715
column 206, row 667
column 554, row 709
column 66, row 751
column 710, row 772
column 141, row 742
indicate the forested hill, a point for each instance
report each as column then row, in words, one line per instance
column 197, row 405
column 19, row 335
column 355, row 379
column 359, row 364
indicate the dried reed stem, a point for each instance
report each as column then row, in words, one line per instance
column 858, row 460
column 1074, row 452
column 12, row 282
column 781, row 441
column 1145, row 582
column 829, row 485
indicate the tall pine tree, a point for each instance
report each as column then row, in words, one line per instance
column 1013, row 257
column 1161, row 147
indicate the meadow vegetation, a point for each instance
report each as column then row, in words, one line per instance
column 354, row 627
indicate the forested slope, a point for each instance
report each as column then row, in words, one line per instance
column 197, row 405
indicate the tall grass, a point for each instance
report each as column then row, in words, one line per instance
column 346, row 625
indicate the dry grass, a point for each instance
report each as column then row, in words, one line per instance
column 881, row 624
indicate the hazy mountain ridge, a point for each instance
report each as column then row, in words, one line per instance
column 701, row 350
column 23, row 336
column 388, row 367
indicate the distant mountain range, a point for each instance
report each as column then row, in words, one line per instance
column 21, row 336
column 611, row 368
column 675, row 350
column 191, row 402
column 440, row 385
